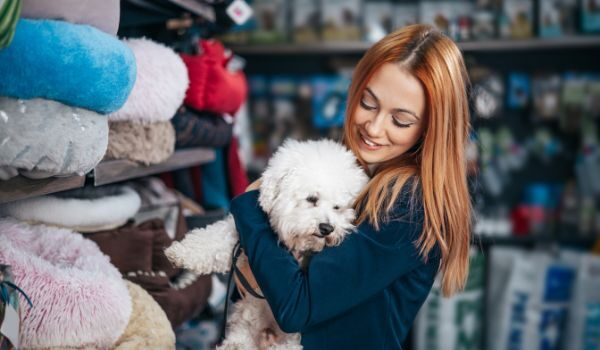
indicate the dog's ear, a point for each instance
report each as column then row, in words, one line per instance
column 270, row 188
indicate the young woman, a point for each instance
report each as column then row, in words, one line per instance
column 407, row 122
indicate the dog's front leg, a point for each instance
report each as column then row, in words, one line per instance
column 206, row 250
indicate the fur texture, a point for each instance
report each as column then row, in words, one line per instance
column 148, row 327
column 103, row 15
column 79, row 298
column 80, row 214
column 306, row 185
column 75, row 64
column 144, row 143
column 42, row 138
column 160, row 86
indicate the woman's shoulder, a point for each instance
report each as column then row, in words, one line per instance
column 409, row 202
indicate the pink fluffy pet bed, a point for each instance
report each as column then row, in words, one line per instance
column 79, row 298
column 160, row 85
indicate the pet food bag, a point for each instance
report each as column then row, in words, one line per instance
column 583, row 323
column 455, row 322
column 528, row 300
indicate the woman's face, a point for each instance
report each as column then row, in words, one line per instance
column 389, row 119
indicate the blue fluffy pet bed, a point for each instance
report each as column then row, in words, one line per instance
column 77, row 65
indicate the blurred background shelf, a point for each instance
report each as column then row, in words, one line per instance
column 359, row 47
column 21, row 187
column 535, row 240
column 119, row 170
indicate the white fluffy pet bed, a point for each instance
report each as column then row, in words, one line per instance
column 160, row 86
column 143, row 143
column 83, row 210
column 41, row 138
column 79, row 299
column 148, row 327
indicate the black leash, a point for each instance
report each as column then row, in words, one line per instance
column 237, row 251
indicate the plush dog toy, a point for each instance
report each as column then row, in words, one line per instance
column 308, row 190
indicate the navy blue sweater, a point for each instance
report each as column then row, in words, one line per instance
column 362, row 294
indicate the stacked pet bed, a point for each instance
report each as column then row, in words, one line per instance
column 141, row 130
column 201, row 129
column 79, row 298
column 58, row 78
column 103, row 15
column 107, row 216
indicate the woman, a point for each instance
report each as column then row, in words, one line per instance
column 407, row 122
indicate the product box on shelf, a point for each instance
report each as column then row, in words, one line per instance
column 378, row 20
column 557, row 17
column 305, row 21
column 590, row 15
column 516, row 19
column 341, row 20
column 451, row 17
column 405, row 14
column 329, row 100
column 270, row 18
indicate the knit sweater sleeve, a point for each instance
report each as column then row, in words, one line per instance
column 337, row 278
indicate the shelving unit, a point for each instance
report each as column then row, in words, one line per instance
column 120, row 170
column 349, row 48
column 106, row 172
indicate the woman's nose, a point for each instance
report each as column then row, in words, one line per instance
column 375, row 126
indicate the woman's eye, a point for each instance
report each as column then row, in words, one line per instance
column 400, row 124
column 366, row 106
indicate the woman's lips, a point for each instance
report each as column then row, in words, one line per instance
column 368, row 144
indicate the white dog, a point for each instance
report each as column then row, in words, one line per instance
column 307, row 190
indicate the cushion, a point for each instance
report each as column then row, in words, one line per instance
column 88, row 209
column 144, row 143
column 103, row 15
column 200, row 129
column 212, row 86
column 79, row 298
column 53, row 139
column 9, row 16
column 148, row 327
column 160, row 85
column 75, row 64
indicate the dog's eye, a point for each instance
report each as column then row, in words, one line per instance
column 336, row 207
column 312, row 199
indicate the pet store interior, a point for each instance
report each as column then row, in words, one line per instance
column 126, row 123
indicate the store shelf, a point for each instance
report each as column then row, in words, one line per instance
column 21, row 187
column 119, row 170
column 322, row 48
column 535, row 240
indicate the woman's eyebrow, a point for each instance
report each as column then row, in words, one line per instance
column 401, row 110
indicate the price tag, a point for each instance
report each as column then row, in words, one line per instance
column 239, row 11
column 10, row 325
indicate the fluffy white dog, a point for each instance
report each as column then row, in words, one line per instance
column 308, row 190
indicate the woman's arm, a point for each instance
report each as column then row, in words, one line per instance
column 338, row 278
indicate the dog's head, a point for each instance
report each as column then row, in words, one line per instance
column 308, row 190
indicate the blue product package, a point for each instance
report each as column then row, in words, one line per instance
column 329, row 101
column 519, row 90
column 77, row 65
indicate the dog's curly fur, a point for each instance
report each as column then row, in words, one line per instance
column 306, row 187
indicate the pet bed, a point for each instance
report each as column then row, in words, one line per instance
column 75, row 64
column 160, row 85
column 143, row 143
column 200, row 129
column 103, row 15
column 42, row 138
column 79, row 298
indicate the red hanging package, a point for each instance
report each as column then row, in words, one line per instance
column 213, row 87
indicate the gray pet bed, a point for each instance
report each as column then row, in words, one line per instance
column 42, row 138
column 104, row 14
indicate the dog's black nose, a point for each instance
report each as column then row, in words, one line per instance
column 325, row 229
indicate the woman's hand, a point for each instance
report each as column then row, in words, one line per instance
column 242, row 264
column 254, row 186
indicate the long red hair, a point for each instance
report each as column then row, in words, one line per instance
column 438, row 160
